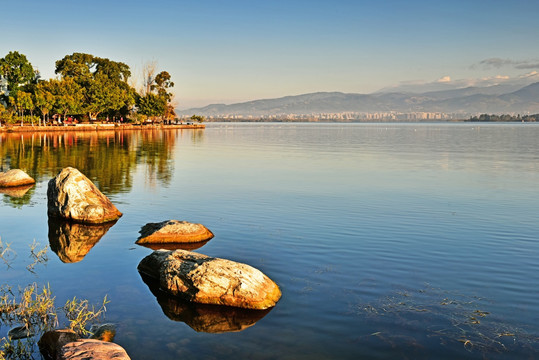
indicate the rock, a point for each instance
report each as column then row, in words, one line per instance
column 66, row 345
column 212, row 319
column 15, row 177
column 207, row 280
column 173, row 231
column 85, row 349
column 72, row 241
column 72, row 196
column 52, row 341
column 104, row 332
column 19, row 332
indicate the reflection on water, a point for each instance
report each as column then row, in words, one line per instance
column 176, row 246
column 204, row 318
column 72, row 241
column 17, row 191
column 108, row 158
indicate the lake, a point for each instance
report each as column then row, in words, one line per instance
column 412, row 241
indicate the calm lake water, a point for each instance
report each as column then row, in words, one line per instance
column 417, row 241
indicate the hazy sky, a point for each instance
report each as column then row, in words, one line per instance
column 221, row 51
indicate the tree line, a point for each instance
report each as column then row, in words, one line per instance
column 505, row 118
column 87, row 88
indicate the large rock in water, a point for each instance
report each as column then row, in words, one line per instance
column 72, row 196
column 207, row 280
column 15, row 177
column 173, row 231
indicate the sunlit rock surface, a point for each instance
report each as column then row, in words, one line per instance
column 204, row 318
column 15, row 177
column 65, row 345
column 72, row 241
column 72, row 196
column 207, row 280
column 173, row 231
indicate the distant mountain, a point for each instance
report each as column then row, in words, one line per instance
column 470, row 100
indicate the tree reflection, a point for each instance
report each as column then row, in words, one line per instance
column 108, row 158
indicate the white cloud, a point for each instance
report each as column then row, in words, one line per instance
column 444, row 79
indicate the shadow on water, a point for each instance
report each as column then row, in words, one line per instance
column 204, row 318
column 72, row 241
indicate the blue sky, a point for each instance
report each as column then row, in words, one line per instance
column 231, row 51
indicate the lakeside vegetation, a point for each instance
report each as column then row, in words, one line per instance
column 88, row 88
column 505, row 118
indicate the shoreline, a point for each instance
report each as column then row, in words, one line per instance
column 95, row 127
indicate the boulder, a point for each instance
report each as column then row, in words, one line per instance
column 173, row 231
column 15, row 177
column 207, row 280
column 72, row 196
column 66, row 345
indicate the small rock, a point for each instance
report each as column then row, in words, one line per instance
column 207, row 280
column 19, row 332
column 72, row 196
column 15, row 177
column 52, row 341
column 173, row 231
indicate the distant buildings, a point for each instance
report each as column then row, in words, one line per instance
column 344, row 117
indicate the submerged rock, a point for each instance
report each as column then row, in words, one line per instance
column 15, row 177
column 19, row 332
column 207, row 280
column 173, row 231
column 72, row 196
column 72, row 241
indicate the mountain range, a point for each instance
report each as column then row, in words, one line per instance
column 494, row 99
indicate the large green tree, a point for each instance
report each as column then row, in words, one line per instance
column 17, row 70
column 104, row 82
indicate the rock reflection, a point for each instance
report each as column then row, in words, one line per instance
column 16, row 192
column 72, row 241
column 204, row 318
column 176, row 246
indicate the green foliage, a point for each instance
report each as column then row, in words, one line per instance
column 198, row 118
column 151, row 105
column 80, row 314
column 17, row 70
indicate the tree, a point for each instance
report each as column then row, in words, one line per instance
column 198, row 118
column 68, row 96
column 151, row 105
column 43, row 98
column 104, row 81
column 17, row 70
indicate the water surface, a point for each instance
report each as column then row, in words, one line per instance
column 387, row 240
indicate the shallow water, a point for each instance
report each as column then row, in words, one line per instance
column 387, row 240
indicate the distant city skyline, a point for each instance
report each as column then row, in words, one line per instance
column 236, row 51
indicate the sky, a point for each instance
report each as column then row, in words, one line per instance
column 233, row 51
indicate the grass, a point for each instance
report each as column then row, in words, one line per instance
column 32, row 310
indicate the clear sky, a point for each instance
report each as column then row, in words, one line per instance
column 221, row 51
